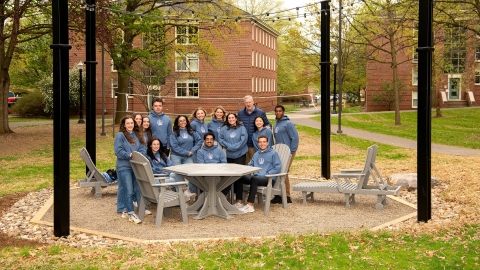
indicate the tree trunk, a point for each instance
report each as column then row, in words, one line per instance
column 4, row 88
column 395, row 83
column 122, row 98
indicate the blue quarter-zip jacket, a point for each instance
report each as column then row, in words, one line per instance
column 161, row 127
column 159, row 164
column 211, row 155
column 184, row 143
column 265, row 131
column 123, row 149
column 234, row 140
column 269, row 161
column 285, row 132
column 200, row 127
column 214, row 126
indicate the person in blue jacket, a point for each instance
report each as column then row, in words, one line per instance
column 184, row 141
column 233, row 136
column 265, row 158
column 158, row 161
column 197, row 122
column 128, row 140
column 218, row 118
column 285, row 132
column 160, row 124
column 261, row 130
column 247, row 116
column 210, row 153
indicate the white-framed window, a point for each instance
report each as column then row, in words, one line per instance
column 186, row 62
column 477, row 53
column 253, row 84
column 253, row 31
column 113, row 66
column 256, row 84
column 415, row 76
column 186, row 88
column 415, row 38
column 477, row 76
column 274, row 64
column 114, row 87
column 414, row 99
column 256, row 61
column 256, row 34
column 186, row 34
column 253, row 58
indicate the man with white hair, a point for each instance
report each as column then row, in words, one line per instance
column 247, row 116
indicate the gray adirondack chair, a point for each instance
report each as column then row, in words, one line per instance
column 93, row 179
column 380, row 188
column 265, row 193
column 156, row 193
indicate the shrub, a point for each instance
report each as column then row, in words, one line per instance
column 31, row 104
column 46, row 87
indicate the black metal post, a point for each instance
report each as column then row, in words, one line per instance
column 325, row 87
column 81, row 121
column 61, row 128
column 91, row 80
column 334, row 111
column 424, row 124
column 340, row 78
column 103, row 92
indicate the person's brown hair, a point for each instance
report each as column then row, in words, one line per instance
column 137, row 132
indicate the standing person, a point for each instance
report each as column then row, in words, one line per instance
column 218, row 118
column 184, row 142
column 138, row 120
column 233, row 136
column 127, row 140
column 197, row 122
column 261, row 130
column 160, row 124
column 247, row 116
column 158, row 161
column 265, row 158
column 285, row 132
column 147, row 130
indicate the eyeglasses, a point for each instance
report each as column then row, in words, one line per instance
column 209, row 139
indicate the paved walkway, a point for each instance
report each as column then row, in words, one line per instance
column 303, row 118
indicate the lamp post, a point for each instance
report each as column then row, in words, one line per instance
column 80, row 69
column 335, row 62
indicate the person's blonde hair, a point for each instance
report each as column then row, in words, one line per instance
column 215, row 110
column 194, row 114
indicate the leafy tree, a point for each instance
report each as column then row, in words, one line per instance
column 387, row 97
column 20, row 22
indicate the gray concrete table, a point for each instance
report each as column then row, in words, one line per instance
column 212, row 179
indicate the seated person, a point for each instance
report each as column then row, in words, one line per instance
column 265, row 158
column 211, row 153
column 159, row 160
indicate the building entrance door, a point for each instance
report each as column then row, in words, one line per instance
column 454, row 88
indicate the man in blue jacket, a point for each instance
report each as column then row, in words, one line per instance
column 284, row 132
column 267, row 159
column 160, row 124
column 210, row 153
column 247, row 116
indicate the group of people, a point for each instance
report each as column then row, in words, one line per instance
column 244, row 138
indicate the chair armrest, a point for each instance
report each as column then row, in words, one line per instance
column 347, row 175
column 170, row 184
column 160, row 175
column 351, row 170
column 277, row 174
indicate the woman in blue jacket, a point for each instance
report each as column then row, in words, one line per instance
column 233, row 136
column 218, row 119
column 197, row 122
column 184, row 141
column 261, row 130
column 128, row 140
column 158, row 161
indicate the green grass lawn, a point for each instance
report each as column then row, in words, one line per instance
column 456, row 127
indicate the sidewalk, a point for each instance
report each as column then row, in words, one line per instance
column 303, row 118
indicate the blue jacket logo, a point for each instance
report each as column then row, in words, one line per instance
column 202, row 129
column 276, row 129
column 232, row 135
column 261, row 161
column 210, row 156
column 184, row 135
column 159, row 122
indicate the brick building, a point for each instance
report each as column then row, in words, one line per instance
column 456, row 77
column 248, row 66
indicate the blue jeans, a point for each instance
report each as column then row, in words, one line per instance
column 120, row 203
column 130, row 188
column 178, row 160
column 173, row 178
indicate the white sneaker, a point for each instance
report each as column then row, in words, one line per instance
column 148, row 212
column 134, row 219
column 124, row 214
column 135, row 204
column 189, row 194
column 239, row 205
column 248, row 209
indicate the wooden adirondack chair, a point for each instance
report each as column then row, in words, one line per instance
column 156, row 193
column 265, row 193
column 348, row 188
column 93, row 179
